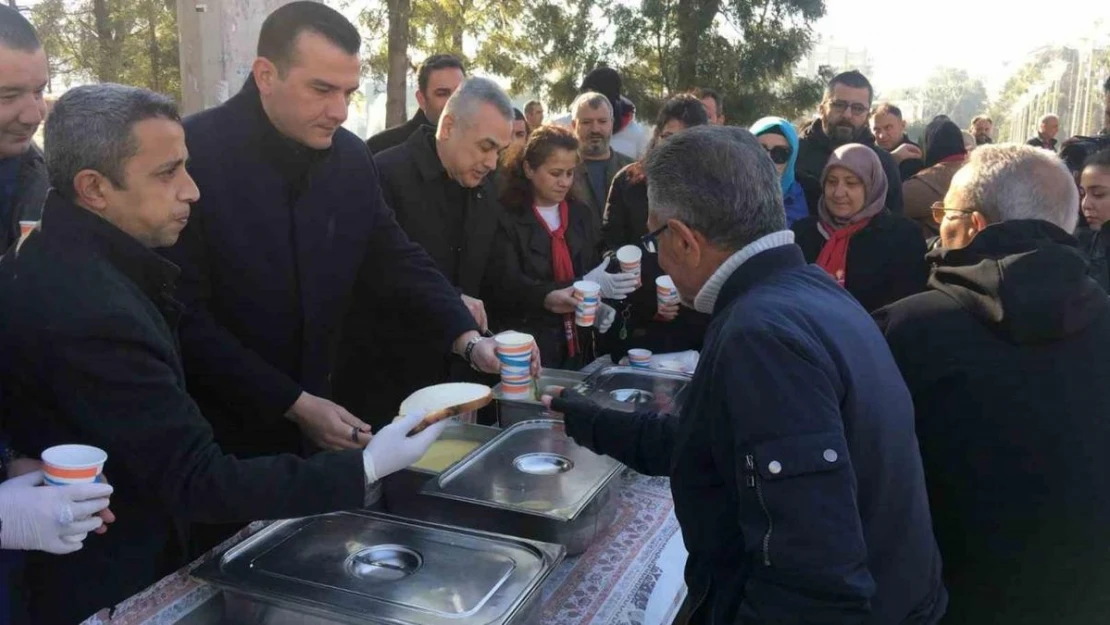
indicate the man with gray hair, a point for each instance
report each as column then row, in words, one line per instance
column 89, row 352
column 1003, row 355
column 1046, row 133
column 794, row 465
column 598, row 162
column 439, row 183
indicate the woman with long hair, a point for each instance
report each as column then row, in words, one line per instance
column 545, row 241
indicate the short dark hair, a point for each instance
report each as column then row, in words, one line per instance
column 532, row 104
column 16, row 32
column 685, row 108
column 704, row 93
column 853, row 80
column 886, row 108
column 281, row 28
column 435, row 63
column 517, row 115
column 92, row 126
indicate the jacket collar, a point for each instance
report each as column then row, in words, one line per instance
column 709, row 297
column 64, row 219
column 291, row 158
column 422, row 144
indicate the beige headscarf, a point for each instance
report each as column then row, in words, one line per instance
column 865, row 164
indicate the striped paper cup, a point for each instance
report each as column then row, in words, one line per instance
column 665, row 292
column 588, row 294
column 640, row 358
column 73, row 464
column 514, row 350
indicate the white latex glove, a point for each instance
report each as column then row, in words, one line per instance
column 55, row 519
column 391, row 449
column 606, row 315
column 613, row 285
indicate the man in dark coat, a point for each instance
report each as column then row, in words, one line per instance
column 439, row 76
column 844, row 115
column 88, row 353
column 1003, row 356
column 598, row 162
column 23, row 77
column 439, row 184
column 291, row 222
column 1047, row 129
column 794, row 464
column 889, row 129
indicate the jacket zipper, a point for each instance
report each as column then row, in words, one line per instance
column 757, row 484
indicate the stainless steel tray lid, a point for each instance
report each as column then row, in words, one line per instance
column 533, row 468
column 374, row 568
column 629, row 389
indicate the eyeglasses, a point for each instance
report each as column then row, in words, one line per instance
column 940, row 209
column 857, row 109
column 780, row 155
column 650, row 241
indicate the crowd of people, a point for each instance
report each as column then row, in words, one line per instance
column 895, row 418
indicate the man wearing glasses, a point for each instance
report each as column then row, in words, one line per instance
column 845, row 113
column 1004, row 358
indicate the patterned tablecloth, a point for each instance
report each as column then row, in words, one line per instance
column 630, row 576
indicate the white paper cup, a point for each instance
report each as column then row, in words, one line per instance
column 666, row 294
column 629, row 258
column 73, row 464
column 588, row 294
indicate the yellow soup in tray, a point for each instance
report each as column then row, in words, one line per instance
column 445, row 453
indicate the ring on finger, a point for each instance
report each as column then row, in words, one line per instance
column 354, row 433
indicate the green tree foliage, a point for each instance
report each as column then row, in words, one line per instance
column 746, row 49
column 954, row 93
column 126, row 41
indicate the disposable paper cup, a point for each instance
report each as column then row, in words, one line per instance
column 665, row 291
column 514, row 346
column 640, row 358
column 25, row 227
column 73, row 464
column 629, row 258
column 514, row 350
column 588, row 295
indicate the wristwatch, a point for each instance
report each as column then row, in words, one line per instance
column 468, row 352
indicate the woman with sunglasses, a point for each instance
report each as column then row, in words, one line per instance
column 779, row 138
column 545, row 241
column 877, row 256
column 642, row 323
column 944, row 156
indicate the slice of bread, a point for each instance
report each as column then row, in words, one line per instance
column 443, row 401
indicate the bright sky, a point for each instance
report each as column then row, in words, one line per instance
column 985, row 37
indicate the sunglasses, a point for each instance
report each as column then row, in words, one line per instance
column 779, row 155
column 650, row 241
column 940, row 209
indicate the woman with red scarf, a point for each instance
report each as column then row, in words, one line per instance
column 545, row 241
column 877, row 256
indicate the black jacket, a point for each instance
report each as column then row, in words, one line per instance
column 392, row 137
column 1004, row 356
column 814, row 150
column 88, row 354
column 908, row 168
column 625, row 224
column 886, row 260
column 1093, row 244
column 275, row 247
column 794, row 466
column 32, row 183
column 384, row 356
column 520, row 276
column 1038, row 142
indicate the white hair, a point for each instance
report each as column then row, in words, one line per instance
column 1051, row 117
column 592, row 99
column 465, row 103
column 1007, row 182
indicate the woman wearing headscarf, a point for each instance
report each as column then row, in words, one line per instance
column 877, row 256
column 779, row 138
column 546, row 240
column 944, row 156
column 641, row 324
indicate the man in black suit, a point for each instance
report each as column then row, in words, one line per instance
column 439, row 76
column 89, row 352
